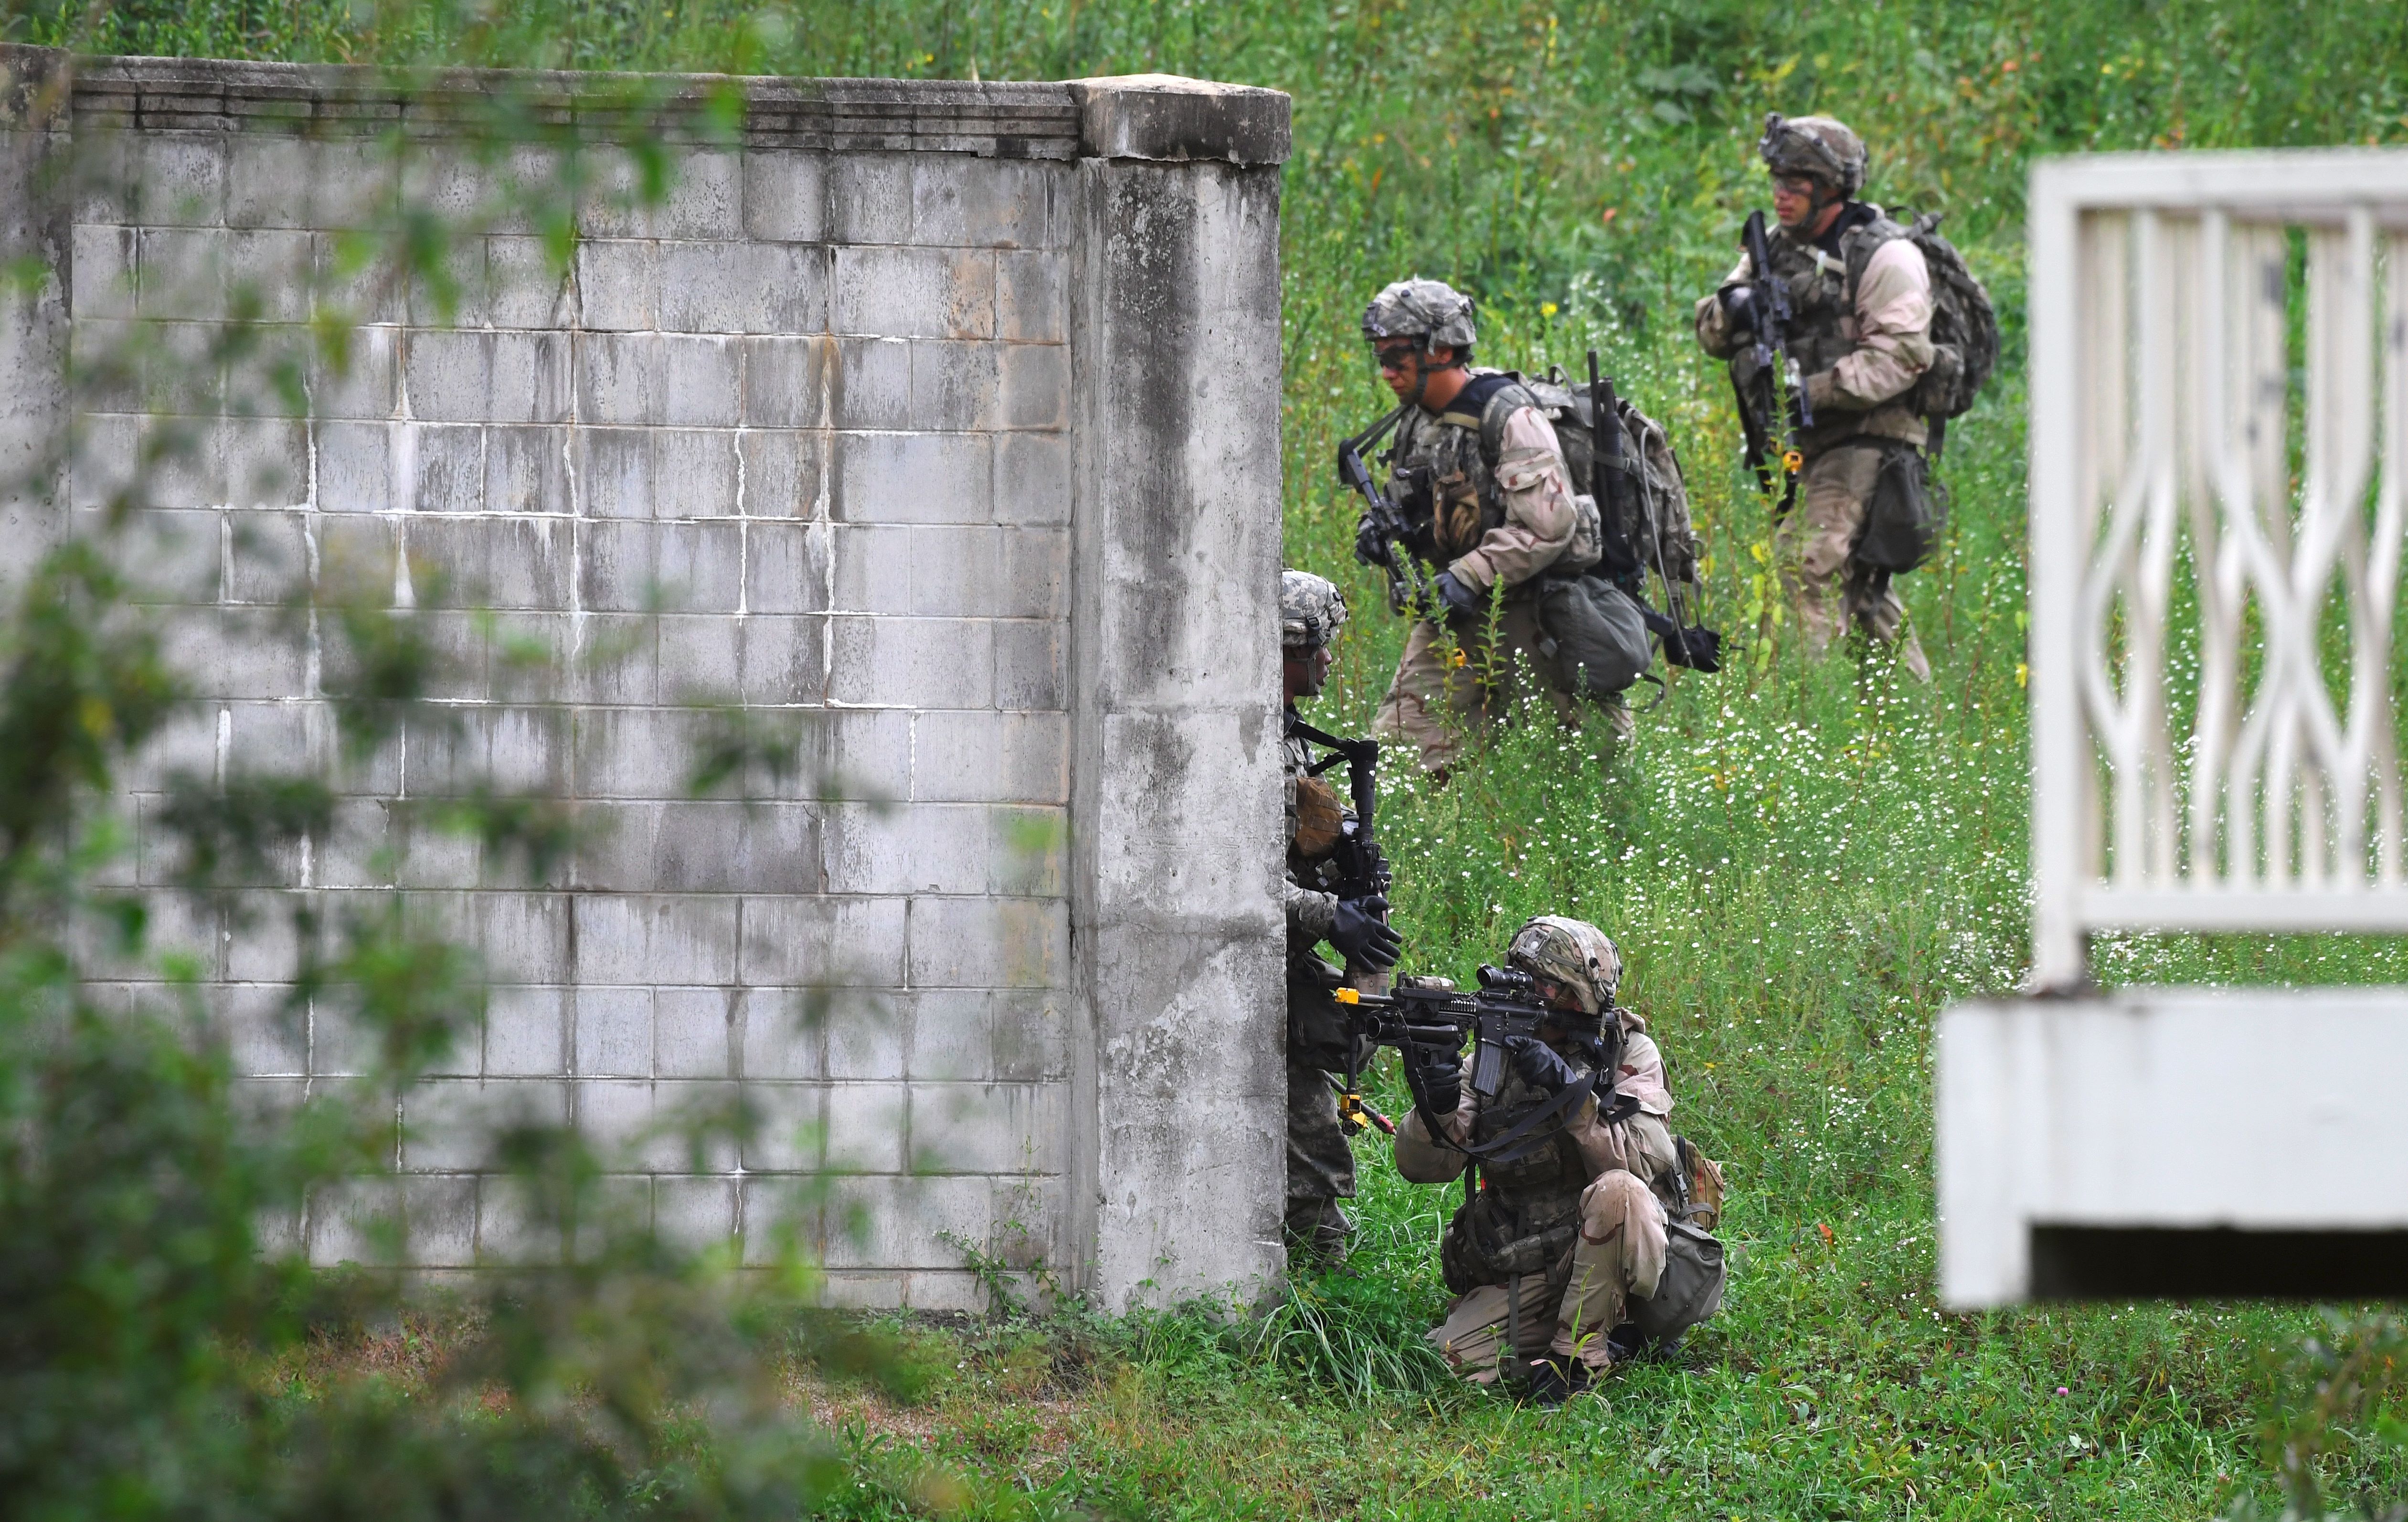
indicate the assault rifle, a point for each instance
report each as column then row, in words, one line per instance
column 1504, row 1007
column 1408, row 581
column 1362, row 872
column 1362, row 867
column 1768, row 313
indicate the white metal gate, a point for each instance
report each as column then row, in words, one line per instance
column 2218, row 479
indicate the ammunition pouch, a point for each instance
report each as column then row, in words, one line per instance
column 1699, row 1180
column 1939, row 387
column 1476, row 1249
column 1904, row 518
column 1689, row 1291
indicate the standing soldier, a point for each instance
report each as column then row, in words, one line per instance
column 1482, row 482
column 1860, row 336
column 1352, row 919
column 1552, row 1256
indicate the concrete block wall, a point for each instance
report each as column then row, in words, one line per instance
column 912, row 417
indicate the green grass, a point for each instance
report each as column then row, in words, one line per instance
column 1802, row 865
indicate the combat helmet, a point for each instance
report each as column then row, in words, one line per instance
column 1311, row 611
column 1431, row 311
column 1821, row 146
column 1573, row 953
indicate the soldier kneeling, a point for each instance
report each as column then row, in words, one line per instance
column 1588, row 1242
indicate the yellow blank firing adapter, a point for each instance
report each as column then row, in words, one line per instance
column 1792, row 460
column 1457, row 658
column 1350, row 1114
column 1346, row 995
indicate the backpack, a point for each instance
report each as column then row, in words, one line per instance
column 1964, row 327
column 1635, row 528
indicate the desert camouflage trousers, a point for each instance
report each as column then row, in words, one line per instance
column 1830, row 593
column 1437, row 700
column 1619, row 1255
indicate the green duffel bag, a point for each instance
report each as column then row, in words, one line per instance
column 1592, row 634
column 1689, row 1292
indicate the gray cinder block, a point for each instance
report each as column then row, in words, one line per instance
column 789, row 381
column 991, row 757
column 785, row 196
column 913, row 292
column 914, row 663
column 912, row 478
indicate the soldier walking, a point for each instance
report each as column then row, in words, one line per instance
column 1861, row 337
column 1321, row 907
column 1482, row 478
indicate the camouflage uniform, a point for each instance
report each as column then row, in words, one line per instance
column 1320, row 1161
column 1553, row 1246
column 1862, row 337
column 1492, row 526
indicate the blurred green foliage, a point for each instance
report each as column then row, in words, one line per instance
column 166, row 1349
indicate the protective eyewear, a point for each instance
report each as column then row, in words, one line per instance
column 1395, row 357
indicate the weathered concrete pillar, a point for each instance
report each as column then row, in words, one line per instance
column 1178, row 1153
column 35, row 234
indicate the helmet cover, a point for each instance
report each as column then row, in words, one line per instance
column 1573, row 953
column 1823, row 147
column 1430, row 310
column 1311, row 611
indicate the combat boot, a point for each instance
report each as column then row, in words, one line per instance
column 1553, row 1380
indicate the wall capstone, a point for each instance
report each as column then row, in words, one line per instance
column 1166, row 118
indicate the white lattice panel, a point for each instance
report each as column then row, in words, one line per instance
column 2219, row 479
column 2219, row 472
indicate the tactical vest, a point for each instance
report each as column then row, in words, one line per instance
column 1527, row 1216
column 1822, row 330
column 1439, row 471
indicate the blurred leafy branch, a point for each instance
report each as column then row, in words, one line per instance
column 2338, row 1397
column 167, row 1349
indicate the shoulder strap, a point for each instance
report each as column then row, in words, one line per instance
column 1859, row 246
column 1495, row 414
column 1535, row 1130
column 1519, row 1141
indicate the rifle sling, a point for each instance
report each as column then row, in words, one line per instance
column 1518, row 1141
column 1338, row 747
column 1378, row 430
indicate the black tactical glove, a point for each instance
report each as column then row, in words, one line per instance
column 1363, row 934
column 1437, row 1078
column 1540, row 1066
column 1462, row 599
column 1700, row 649
column 1739, row 308
column 1369, row 547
